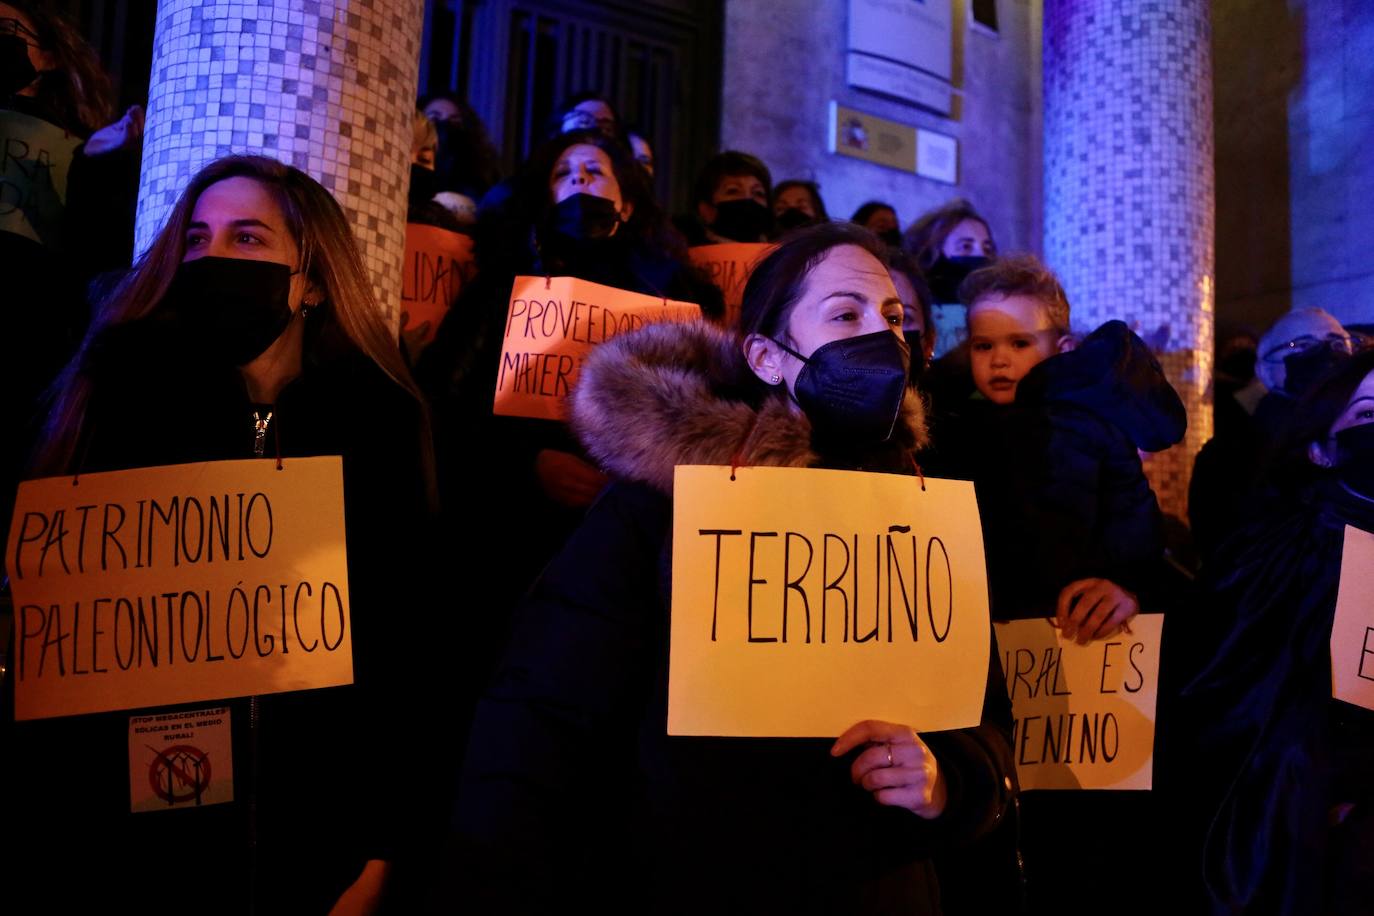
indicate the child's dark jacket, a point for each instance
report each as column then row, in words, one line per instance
column 1061, row 489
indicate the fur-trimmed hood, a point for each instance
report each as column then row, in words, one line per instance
column 680, row 393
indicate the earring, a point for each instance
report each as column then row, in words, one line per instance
column 776, row 379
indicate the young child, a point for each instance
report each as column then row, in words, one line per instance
column 1071, row 527
column 1050, row 438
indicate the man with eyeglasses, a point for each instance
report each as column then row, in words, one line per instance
column 1300, row 347
column 1296, row 351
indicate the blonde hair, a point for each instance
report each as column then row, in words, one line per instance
column 329, row 258
column 423, row 135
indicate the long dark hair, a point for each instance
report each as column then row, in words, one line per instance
column 76, row 90
column 646, row 226
column 329, row 257
column 925, row 238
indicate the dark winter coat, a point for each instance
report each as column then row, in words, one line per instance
column 573, row 792
column 326, row 764
column 1266, row 774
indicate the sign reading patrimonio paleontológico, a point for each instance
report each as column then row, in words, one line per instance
column 176, row 584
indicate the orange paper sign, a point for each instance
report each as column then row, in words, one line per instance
column 438, row 263
column 807, row 600
column 552, row 325
column 728, row 266
column 176, row 584
column 1352, row 631
column 1085, row 715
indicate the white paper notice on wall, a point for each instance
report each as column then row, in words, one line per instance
column 902, row 50
column 1084, row 715
column 937, row 156
column 180, row 760
column 1352, row 631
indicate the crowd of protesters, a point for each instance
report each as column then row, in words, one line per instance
column 530, row 769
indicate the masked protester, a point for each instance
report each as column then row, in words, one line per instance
column 731, row 199
column 880, row 219
column 680, row 824
column 949, row 243
column 1267, row 773
column 1229, row 485
column 582, row 208
column 467, row 163
column 797, row 204
column 248, row 330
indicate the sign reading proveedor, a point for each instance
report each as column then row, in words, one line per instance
column 552, row 324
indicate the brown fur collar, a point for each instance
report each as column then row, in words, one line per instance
column 676, row 393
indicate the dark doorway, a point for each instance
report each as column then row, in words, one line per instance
column 657, row 60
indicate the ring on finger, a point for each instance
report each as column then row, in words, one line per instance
column 889, row 754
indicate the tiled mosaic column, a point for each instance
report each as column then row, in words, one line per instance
column 325, row 85
column 1129, row 189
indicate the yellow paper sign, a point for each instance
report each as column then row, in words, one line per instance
column 1085, row 715
column 438, row 263
column 552, row 325
column 176, row 584
column 807, row 600
column 1352, row 631
column 728, row 267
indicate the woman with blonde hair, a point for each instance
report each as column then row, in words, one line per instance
column 249, row 328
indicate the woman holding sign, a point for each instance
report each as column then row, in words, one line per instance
column 572, row 788
column 582, row 208
column 1270, row 745
column 248, row 329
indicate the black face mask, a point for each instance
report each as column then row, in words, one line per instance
column 16, row 70
column 892, row 238
column 1355, row 458
column 234, row 306
column 743, row 220
column 1301, row 371
column 424, row 184
column 915, row 343
column 584, row 217
column 794, row 218
column 851, row 390
column 947, row 273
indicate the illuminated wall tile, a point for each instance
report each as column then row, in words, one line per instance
column 325, row 85
column 1129, row 191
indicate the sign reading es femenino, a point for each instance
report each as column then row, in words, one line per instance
column 806, row 600
column 552, row 325
column 728, row 266
column 176, row 584
column 1085, row 715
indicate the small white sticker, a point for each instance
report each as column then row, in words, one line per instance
column 180, row 760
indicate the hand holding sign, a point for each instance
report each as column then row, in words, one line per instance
column 1094, row 609
column 898, row 768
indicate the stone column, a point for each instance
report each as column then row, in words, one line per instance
column 325, row 85
column 1129, row 189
